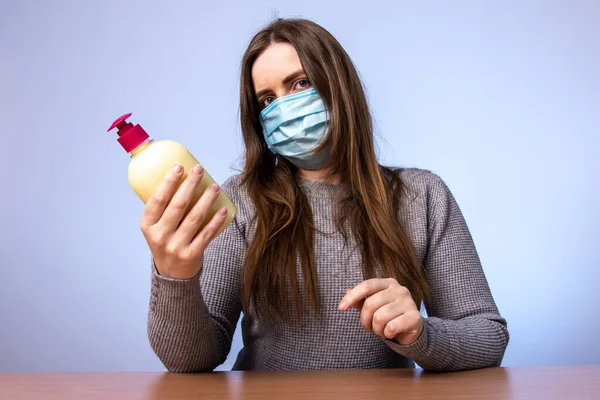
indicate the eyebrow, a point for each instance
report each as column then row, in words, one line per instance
column 286, row 81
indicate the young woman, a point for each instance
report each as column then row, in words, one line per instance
column 331, row 254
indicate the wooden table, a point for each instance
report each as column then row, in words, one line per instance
column 493, row 383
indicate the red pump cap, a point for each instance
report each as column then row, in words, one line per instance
column 130, row 136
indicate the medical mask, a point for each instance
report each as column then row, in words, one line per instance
column 294, row 126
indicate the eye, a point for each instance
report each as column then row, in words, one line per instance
column 302, row 84
column 266, row 101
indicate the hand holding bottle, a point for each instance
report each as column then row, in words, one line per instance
column 184, row 209
column 173, row 226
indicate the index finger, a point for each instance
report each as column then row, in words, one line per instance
column 359, row 292
column 158, row 202
column 358, row 305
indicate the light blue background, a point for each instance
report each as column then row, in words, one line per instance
column 500, row 98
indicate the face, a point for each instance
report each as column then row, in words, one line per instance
column 278, row 72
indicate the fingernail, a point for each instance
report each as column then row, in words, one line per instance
column 223, row 211
column 197, row 169
column 214, row 187
column 342, row 305
column 177, row 168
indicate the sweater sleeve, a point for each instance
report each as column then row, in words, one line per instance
column 464, row 329
column 191, row 321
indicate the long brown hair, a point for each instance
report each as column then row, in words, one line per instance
column 284, row 221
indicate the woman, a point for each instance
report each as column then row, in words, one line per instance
column 330, row 255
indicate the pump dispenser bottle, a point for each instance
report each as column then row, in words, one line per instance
column 152, row 160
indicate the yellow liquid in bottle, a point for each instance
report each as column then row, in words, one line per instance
column 153, row 160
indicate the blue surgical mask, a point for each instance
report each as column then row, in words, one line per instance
column 294, row 126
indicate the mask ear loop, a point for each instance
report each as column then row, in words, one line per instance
column 276, row 160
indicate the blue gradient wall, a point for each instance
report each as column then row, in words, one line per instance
column 500, row 98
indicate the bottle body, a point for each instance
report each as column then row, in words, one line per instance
column 152, row 160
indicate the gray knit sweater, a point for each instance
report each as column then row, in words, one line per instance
column 191, row 322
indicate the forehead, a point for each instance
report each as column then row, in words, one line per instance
column 274, row 64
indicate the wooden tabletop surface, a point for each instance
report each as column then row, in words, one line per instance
column 493, row 383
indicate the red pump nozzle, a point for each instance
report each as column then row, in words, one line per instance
column 130, row 136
